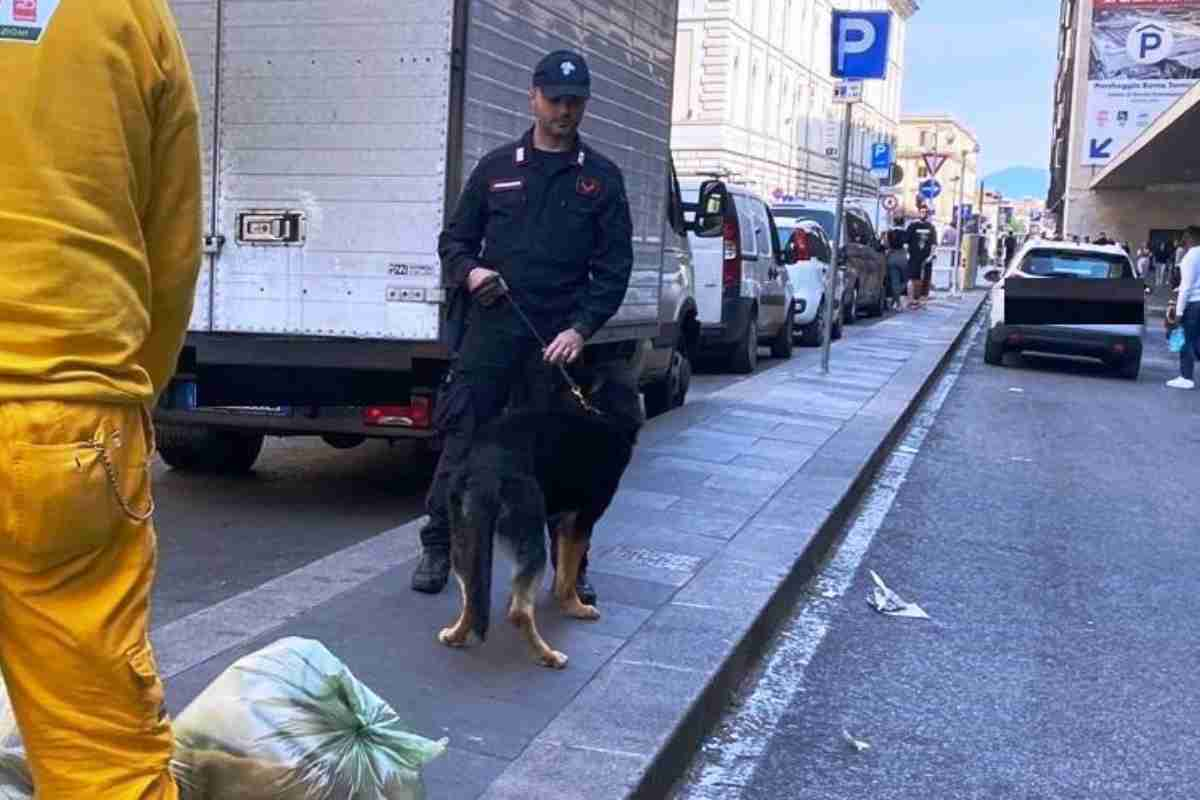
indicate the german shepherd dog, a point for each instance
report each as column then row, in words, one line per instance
column 549, row 459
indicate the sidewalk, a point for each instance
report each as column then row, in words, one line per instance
column 726, row 504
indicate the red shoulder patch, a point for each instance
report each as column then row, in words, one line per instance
column 588, row 186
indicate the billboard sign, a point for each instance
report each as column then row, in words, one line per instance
column 1145, row 55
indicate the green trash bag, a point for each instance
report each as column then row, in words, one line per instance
column 291, row 722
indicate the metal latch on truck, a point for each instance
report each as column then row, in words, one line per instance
column 271, row 228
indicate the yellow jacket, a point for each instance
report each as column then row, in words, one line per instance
column 100, row 199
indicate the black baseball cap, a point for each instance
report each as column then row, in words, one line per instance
column 563, row 73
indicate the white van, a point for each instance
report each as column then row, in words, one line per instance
column 743, row 295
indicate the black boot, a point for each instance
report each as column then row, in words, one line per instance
column 432, row 571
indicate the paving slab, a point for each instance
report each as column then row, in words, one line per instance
column 726, row 506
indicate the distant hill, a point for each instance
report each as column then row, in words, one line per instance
column 1016, row 183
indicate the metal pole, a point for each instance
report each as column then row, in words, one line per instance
column 843, row 171
column 955, row 283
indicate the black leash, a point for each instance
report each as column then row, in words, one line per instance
column 576, row 389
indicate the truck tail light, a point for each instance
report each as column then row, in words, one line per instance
column 731, row 270
column 417, row 414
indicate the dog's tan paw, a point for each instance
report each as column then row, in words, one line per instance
column 578, row 610
column 553, row 659
column 450, row 638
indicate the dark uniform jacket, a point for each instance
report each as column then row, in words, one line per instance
column 562, row 237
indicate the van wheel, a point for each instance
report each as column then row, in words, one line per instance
column 993, row 352
column 1130, row 369
column 745, row 353
column 880, row 308
column 781, row 345
column 198, row 448
column 835, row 332
column 671, row 391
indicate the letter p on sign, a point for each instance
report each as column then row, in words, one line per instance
column 860, row 44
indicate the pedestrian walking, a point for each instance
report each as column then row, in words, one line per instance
column 894, row 242
column 919, row 238
column 542, row 226
column 1009, row 247
column 100, row 248
column 1186, row 312
column 1144, row 263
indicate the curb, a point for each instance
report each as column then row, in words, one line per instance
column 633, row 732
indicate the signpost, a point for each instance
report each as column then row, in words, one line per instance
column 933, row 163
column 930, row 189
column 859, row 52
column 881, row 160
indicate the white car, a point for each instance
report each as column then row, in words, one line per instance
column 809, row 255
column 1069, row 299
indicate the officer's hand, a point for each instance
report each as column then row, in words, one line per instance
column 565, row 348
column 491, row 290
column 477, row 276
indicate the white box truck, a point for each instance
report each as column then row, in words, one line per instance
column 338, row 134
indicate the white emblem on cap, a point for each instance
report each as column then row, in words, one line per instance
column 567, row 69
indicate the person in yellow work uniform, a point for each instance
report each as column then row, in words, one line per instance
column 99, row 254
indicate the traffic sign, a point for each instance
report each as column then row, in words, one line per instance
column 860, row 44
column 933, row 162
column 890, row 202
column 930, row 189
column 848, row 92
column 881, row 156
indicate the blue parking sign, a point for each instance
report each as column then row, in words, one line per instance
column 881, row 156
column 860, row 44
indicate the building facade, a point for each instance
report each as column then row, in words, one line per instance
column 753, row 96
column 1124, row 113
column 922, row 134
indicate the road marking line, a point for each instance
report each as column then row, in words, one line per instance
column 729, row 757
column 192, row 640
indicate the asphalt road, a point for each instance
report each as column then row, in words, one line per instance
column 1046, row 519
column 221, row 536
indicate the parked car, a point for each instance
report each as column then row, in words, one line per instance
column 810, row 257
column 1069, row 299
column 743, row 294
column 866, row 283
column 667, row 370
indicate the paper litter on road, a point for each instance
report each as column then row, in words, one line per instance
column 858, row 744
column 885, row 601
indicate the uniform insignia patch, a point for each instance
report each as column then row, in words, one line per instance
column 588, row 186
column 506, row 184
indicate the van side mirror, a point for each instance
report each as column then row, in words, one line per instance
column 710, row 211
column 992, row 275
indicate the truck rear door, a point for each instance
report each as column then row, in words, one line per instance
column 330, row 124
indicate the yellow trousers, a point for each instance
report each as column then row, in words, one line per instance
column 77, row 560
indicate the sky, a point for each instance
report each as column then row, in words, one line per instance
column 992, row 64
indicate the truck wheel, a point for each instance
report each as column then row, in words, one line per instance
column 993, row 352
column 196, row 448
column 745, row 353
column 781, row 345
column 814, row 332
column 671, row 391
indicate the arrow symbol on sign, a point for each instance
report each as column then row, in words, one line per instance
column 1100, row 149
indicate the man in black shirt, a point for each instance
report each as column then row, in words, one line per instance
column 919, row 239
column 543, row 225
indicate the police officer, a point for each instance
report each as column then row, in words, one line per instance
column 542, row 230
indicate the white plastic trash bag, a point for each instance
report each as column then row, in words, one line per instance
column 292, row 721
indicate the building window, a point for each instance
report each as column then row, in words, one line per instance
column 922, row 172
